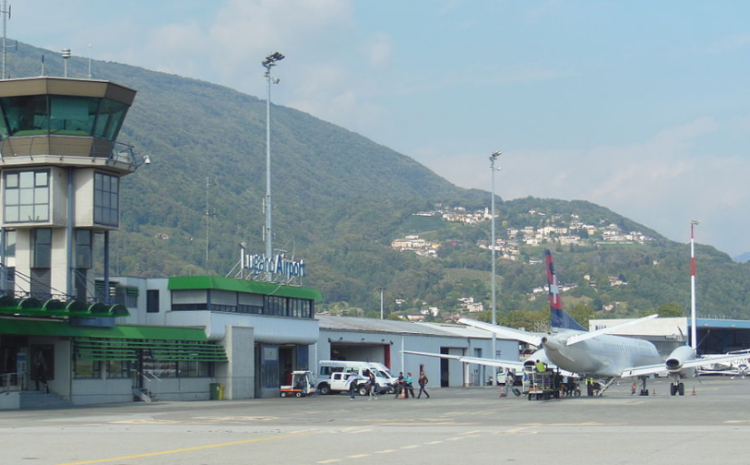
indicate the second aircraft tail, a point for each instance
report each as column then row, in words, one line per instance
column 559, row 318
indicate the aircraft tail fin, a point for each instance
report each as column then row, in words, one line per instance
column 559, row 318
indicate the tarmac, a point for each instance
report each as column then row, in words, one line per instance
column 453, row 426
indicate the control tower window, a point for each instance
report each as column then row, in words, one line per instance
column 26, row 196
column 111, row 116
column 106, row 199
column 26, row 115
column 72, row 115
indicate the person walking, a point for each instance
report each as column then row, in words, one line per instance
column 422, row 381
column 351, row 384
column 372, row 385
column 399, row 384
column 509, row 380
column 408, row 386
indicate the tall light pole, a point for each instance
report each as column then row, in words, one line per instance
column 693, row 322
column 493, row 157
column 269, row 63
column 382, row 289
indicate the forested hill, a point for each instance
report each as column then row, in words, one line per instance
column 340, row 200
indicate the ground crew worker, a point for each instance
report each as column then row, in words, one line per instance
column 540, row 367
column 590, row 387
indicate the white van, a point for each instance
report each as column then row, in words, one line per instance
column 327, row 385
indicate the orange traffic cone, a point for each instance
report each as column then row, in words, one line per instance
column 654, row 392
column 502, row 393
column 693, row 390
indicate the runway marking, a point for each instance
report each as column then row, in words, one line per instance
column 386, row 451
column 588, row 423
column 736, row 422
column 187, row 449
column 358, row 456
column 431, row 443
column 523, row 430
column 193, row 421
column 330, row 461
column 455, row 439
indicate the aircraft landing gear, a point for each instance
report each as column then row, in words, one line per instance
column 677, row 388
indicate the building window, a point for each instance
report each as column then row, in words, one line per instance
column 192, row 369
column 152, row 301
column 276, row 306
column 83, row 248
column 87, row 368
column 118, row 369
column 41, row 247
column 106, row 199
column 26, row 196
column 10, row 243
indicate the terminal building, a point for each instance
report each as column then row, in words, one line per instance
column 68, row 334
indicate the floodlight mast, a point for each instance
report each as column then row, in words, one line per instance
column 693, row 322
column 493, row 158
column 269, row 63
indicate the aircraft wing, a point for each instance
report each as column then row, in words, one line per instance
column 505, row 332
column 662, row 368
column 609, row 330
column 512, row 364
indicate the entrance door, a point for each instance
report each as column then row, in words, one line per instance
column 42, row 366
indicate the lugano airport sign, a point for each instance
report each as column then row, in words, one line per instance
column 278, row 265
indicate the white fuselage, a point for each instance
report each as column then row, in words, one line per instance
column 604, row 355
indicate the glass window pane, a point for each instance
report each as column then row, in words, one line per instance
column 41, row 195
column 11, row 197
column 11, row 214
column 11, row 180
column 26, row 179
column 42, row 213
column 26, row 213
column 26, row 196
column 41, row 178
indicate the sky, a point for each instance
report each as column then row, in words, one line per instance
column 639, row 106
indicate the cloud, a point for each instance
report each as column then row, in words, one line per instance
column 730, row 43
column 662, row 182
column 378, row 50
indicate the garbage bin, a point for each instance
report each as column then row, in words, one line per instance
column 217, row 391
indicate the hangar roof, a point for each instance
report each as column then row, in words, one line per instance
column 345, row 323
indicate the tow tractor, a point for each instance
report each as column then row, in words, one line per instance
column 302, row 385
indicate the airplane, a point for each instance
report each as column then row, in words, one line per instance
column 596, row 354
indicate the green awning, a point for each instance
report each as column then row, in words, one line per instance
column 173, row 351
column 242, row 285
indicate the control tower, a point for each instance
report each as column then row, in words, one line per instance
column 60, row 170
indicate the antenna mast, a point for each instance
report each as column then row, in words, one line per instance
column 6, row 16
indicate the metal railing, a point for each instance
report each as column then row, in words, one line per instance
column 38, row 145
column 11, row 382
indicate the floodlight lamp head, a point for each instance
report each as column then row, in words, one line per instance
column 272, row 59
column 695, row 222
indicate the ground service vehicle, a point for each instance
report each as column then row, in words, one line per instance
column 542, row 385
column 302, row 385
column 328, row 383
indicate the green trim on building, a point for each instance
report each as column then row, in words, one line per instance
column 31, row 307
column 124, row 342
column 63, row 329
column 171, row 351
column 182, row 283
